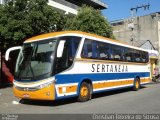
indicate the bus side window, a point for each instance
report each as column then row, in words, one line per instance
column 87, row 49
column 73, row 46
column 69, row 52
column 144, row 57
column 127, row 55
column 103, row 50
column 111, row 53
column 117, row 52
column 137, row 56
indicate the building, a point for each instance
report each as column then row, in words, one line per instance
column 141, row 31
column 72, row 6
column 2, row 1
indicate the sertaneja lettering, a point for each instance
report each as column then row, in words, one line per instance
column 108, row 68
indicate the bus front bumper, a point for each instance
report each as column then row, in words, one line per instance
column 46, row 93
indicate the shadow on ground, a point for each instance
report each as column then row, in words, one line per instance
column 6, row 85
column 73, row 100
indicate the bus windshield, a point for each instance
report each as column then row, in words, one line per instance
column 35, row 60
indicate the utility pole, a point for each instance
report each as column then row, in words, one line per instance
column 134, row 10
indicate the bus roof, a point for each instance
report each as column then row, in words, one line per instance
column 76, row 33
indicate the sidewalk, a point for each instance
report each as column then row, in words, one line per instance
column 6, row 96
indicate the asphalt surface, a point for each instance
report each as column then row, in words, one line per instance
column 126, row 101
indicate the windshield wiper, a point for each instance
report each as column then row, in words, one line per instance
column 25, row 62
column 21, row 69
column 42, row 75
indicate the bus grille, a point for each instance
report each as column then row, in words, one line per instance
column 26, row 88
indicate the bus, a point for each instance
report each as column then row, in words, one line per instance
column 66, row 64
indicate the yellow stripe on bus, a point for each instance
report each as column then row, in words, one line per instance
column 144, row 80
column 111, row 84
column 54, row 34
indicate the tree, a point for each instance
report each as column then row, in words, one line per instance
column 90, row 20
column 21, row 19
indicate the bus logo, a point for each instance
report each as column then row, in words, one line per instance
column 25, row 89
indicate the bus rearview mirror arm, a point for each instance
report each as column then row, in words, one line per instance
column 10, row 50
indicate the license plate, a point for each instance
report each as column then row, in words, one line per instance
column 26, row 95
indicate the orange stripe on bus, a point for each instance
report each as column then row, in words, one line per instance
column 143, row 80
column 53, row 34
column 45, row 36
column 111, row 84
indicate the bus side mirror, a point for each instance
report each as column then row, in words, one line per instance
column 10, row 50
column 60, row 48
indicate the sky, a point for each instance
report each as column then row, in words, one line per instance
column 119, row 9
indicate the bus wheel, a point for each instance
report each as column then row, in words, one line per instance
column 136, row 85
column 85, row 92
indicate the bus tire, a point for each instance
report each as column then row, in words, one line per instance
column 84, row 92
column 136, row 85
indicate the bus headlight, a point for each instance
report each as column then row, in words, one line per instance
column 44, row 85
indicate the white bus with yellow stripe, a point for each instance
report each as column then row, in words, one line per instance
column 66, row 64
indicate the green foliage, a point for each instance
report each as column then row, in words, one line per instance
column 90, row 20
column 21, row 19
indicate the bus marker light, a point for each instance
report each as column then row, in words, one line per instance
column 47, row 93
column 64, row 89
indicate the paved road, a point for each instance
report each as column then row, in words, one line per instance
column 146, row 100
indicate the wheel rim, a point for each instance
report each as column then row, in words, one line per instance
column 137, row 84
column 84, row 91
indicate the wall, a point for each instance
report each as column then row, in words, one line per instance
column 140, row 29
